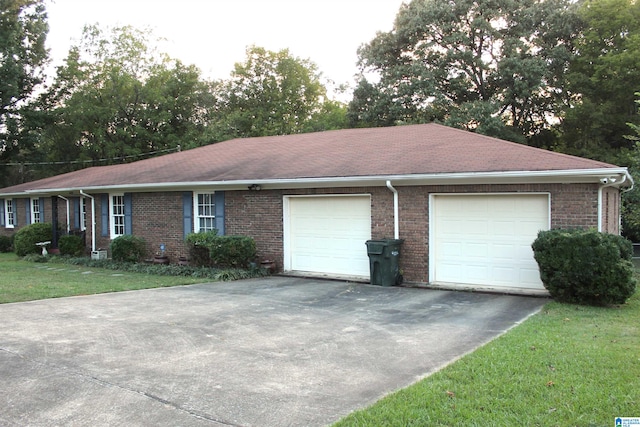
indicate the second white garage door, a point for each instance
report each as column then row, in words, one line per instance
column 486, row 239
column 327, row 234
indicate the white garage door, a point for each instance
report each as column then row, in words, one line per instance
column 486, row 239
column 327, row 234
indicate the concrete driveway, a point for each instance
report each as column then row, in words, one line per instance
column 264, row 352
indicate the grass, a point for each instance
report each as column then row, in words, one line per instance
column 26, row 281
column 566, row 366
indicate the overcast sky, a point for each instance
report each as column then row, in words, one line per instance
column 214, row 34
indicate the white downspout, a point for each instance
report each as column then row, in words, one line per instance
column 68, row 222
column 396, row 216
column 93, row 220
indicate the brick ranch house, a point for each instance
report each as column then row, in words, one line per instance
column 467, row 206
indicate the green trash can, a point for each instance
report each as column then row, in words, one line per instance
column 384, row 261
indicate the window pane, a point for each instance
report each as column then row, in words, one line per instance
column 206, row 212
column 118, row 215
column 10, row 215
column 35, row 210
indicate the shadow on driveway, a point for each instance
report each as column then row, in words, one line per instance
column 264, row 352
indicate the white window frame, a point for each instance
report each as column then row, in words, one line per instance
column 116, row 215
column 36, row 211
column 204, row 210
column 83, row 213
column 9, row 213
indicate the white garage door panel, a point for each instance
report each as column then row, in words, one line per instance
column 486, row 239
column 328, row 234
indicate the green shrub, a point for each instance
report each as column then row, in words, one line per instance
column 128, row 248
column 6, row 243
column 71, row 245
column 25, row 239
column 209, row 249
column 585, row 266
column 233, row 251
column 199, row 244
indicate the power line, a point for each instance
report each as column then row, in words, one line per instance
column 76, row 162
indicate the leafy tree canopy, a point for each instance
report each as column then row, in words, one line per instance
column 493, row 66
column 23, row 31
column 116, row 99
column 602, row 80
column 274, row 93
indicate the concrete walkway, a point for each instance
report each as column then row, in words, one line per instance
column 264, row 352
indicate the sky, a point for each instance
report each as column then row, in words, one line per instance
column 214, row 34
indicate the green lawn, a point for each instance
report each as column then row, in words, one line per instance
column 566, row 366
column 26, row 281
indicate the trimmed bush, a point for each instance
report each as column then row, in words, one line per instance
column 25, row 239
column 233, row 251
column 209, row 249
column 6, row 243
column 71, row 245
column 199, row 247
column 128, row 248
column 585, row 266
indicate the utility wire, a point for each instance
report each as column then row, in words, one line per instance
column 75, row 162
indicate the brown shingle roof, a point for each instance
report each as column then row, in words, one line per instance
column 392, row 151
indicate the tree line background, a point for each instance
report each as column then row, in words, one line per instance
column 562, row 75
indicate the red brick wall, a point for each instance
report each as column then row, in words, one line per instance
column 259, row 214
column 158, row 217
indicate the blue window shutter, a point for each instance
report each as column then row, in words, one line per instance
column 15, row 212
column 187, row 212
column 104, row 214
column 128, row 212
column 42, row 218
column 28, row 211
column 219, row 201
column 76, row 213
column 2, row 224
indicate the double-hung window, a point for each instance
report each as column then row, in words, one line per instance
column 117, row 215
column 205, row 210
column 36, row 211
column 9, row 213
column 83, row 213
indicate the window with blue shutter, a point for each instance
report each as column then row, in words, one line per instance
column 104, row 215
column 76, row 213
column 128, row 213
column 42, row 217
column 187, row 213
column 27, row 204
column 15, row 213
column 219, row 197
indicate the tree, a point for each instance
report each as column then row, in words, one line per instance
column 23, row 31
column 116, row 99
column 603, row 79
column 631, row 198
column 493, row 66
column 274, row 93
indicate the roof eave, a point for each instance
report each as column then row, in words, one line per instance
column 616, row 177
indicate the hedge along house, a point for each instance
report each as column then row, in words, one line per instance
column 467, row 206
